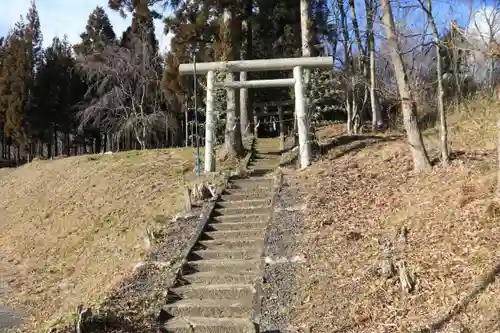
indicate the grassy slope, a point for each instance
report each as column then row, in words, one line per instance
column 72, row 228
column 362, row 193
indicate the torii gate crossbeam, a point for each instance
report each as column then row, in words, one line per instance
column 295, row 64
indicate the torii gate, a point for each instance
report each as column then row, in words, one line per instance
column 283, row 64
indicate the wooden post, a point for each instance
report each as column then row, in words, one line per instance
column 281, row 127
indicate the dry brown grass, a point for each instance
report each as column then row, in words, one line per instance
column 71, row 229
column 472, row 124
column 453, row 236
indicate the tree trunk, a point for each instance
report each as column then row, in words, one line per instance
column 247, row 54
column 245, row 126
column 443, row 130
column 98, row 142
column 358, row 114
column 348, row 66
column 377, row 121
column 281, row 127
column 420, row 159
column 233, row 141
column 256, row 122
column 497, row 194
column 445, row 155
column 305, row 33
column 186, row 120
column 306, row 38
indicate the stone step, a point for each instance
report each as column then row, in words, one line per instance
column 219, row 278
column 243, row 203
column 231, row 226
column 213, row 291
column 242, row 210
column 209, row 325
column 226, row 254
column 240, row 218
column 223, row 266
column 217, row 308
column 230, row 244
column 233, row 234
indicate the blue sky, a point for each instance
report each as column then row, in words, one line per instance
column 59, row 17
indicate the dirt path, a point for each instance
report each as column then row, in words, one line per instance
column 218, row 290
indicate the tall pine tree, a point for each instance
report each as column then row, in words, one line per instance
column 98, row 33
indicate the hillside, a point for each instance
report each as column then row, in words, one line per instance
column 72, row 228
column 364, row 197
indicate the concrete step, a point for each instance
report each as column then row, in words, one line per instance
column 262, row 169
column 264, row 163
column 226, row 254
column 265, row 157
column 223, row 226
column 254, row 192
column 209, row 325
column 217, row 308
column 253, row 180
column 223, row 266
column 243, row 203
column 240, row 218
column 214, row 291
column 230, row 244
column 233, row 234
column 237, row 195
column 251, row 187
column 219, row 278
column 266, row 209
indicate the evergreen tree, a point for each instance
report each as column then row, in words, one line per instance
column 34, row 59
column 59, row 89
column 97, row 37
column 98, row 33
column 142, row 27
column 15, row 77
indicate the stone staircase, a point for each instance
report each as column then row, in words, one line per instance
column 218, row 291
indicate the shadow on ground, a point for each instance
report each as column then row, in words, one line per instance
column 456, row 310
column 354, row 143
column 460, row 307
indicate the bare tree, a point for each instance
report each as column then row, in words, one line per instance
column 377, row 121
column 362, row 68
column 348, row 66
column 420, row 158
column 443, row 130
column 127, row 85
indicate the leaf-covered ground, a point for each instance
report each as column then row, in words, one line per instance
column 73, row 229
column 363, row 192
